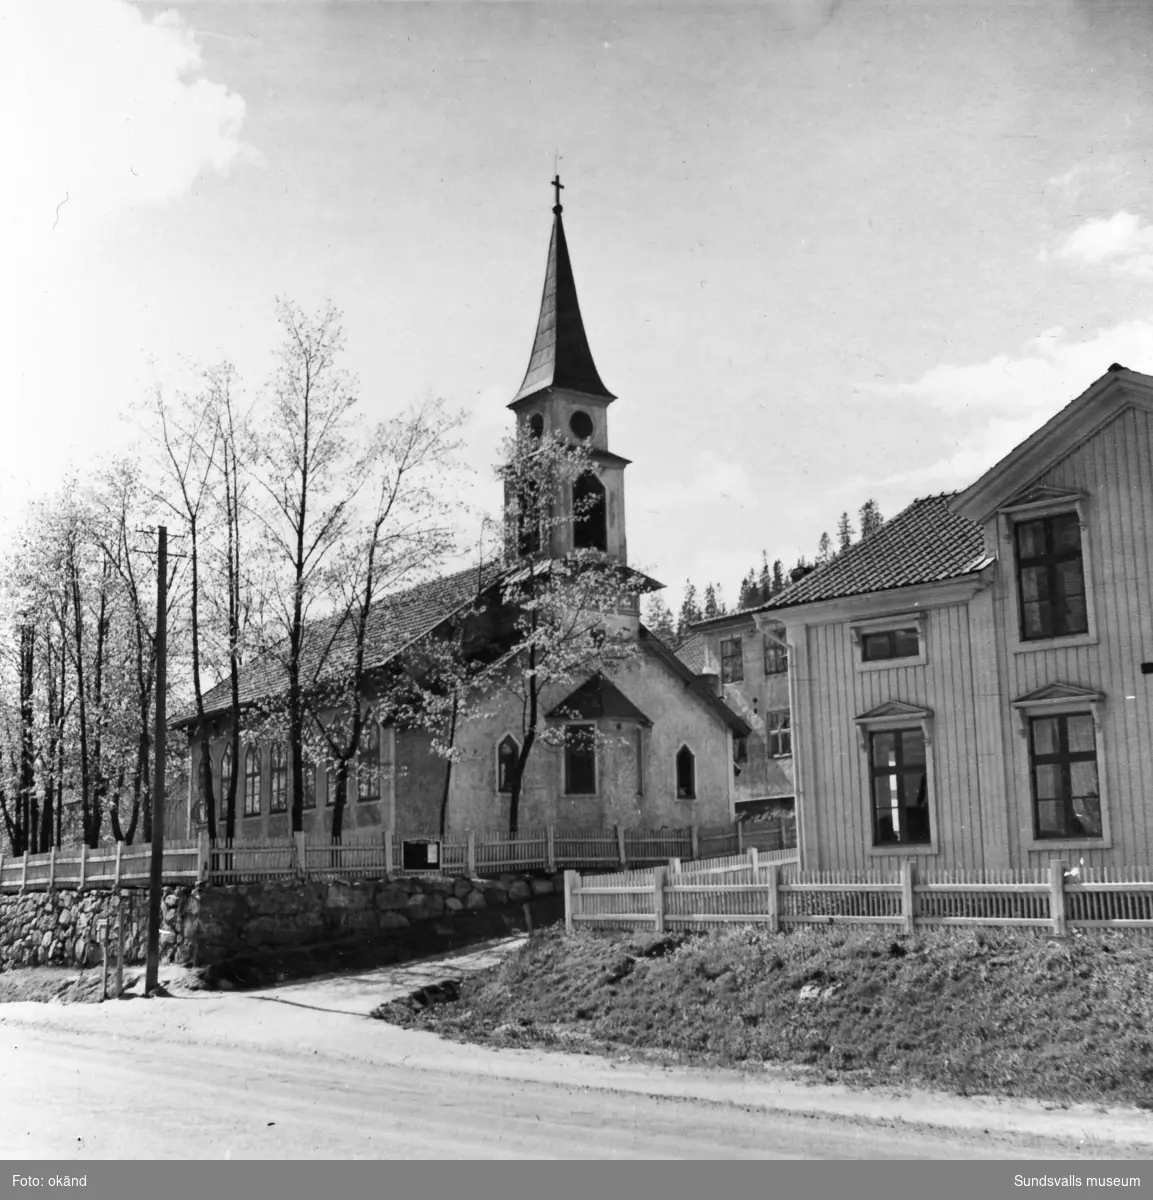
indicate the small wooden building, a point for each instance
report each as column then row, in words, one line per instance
column 972, row 685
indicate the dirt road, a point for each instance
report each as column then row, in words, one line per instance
column 298, row 1071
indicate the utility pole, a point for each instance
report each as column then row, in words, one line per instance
column 156, row 878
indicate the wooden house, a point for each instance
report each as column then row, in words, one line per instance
column 972, row 685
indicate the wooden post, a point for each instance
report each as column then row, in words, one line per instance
column 551, row 850
column 301, row 852
column 1057, row 897
column 571, row 883
column 51, row 868
column 388, row 866
column 660, row 877
column 773, row 873
column 102, row 933
column 753, row 857
column 116, row 877
column 83, row 865
column 24, row 873
column 674, row 866
column 621, row 845
column 119, row 946
column 203, row 856
column 740, row 838
column 695, row 836
column 471, row 852
column 908, row 896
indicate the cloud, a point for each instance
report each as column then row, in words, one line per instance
column 106, row 111
column 989, row 407
column 1121, row 241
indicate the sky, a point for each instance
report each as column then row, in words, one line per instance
column 826, row 250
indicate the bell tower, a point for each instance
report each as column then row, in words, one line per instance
column 562, row 394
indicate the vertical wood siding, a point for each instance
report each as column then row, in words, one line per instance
column 839, row 789
column 1115, row 469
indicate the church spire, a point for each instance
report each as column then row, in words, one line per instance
column 560, row 357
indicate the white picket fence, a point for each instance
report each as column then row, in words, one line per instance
column 777, row 894
column 377, row 853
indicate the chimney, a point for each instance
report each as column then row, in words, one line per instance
column 799, row 573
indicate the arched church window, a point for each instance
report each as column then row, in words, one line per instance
column 225, row 779
column 536, row 425
column 686, row 774
column 589, row 525
column 278, row 776
column 506, row 755
column 581, row 424
column 252, row 781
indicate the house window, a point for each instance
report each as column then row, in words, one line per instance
column 1051, row 577
column 309, row 798
column 580, row 760
column 900, row 782
column 589, row 524
column 506, row 755
column 776, row 657
column 686, row 774
column 890, row 643
column 368, row 763
column 740, row 750
column 779, row 733
column 225, row 779
column 278, row 772
column 330, row 788
column 1063, row 765
column 252, row 781
column 732, row 663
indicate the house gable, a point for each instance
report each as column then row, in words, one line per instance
column 1018, row 472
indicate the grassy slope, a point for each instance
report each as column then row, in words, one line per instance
column 970, row 1012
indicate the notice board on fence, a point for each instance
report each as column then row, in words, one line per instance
column 420, row 854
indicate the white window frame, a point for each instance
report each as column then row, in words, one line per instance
column 1062, row 699
column 1008, row 518
column 896, row 714
column 769, row 714
column 908, row 620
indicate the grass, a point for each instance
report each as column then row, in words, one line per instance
column 971, row 1012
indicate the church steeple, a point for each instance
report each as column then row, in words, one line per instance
column 560, row 357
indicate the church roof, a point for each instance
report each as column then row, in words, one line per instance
column 394, row 623
column 560, row 357
column 598, row 698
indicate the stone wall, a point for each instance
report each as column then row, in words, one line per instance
column 213, row 925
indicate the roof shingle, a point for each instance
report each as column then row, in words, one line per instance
column 924, row 543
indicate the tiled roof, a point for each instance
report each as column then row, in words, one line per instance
column 692, row 653
column 925, row 543
column 560, row 356
column 330, row 645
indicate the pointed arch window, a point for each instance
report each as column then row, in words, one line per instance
column 506, row 755
column 252, row 781
column 528, row 519
column 278, row 778
column 580, row 760
column 590, row 527
column 368, row 767
column 309, row 798
column 225, row 779
column 686, row 774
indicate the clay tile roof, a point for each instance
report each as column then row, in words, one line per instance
column 394, row 623
column 925, row 543
column 692, row 653
column 560, row 356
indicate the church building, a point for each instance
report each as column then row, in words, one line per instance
column 664, row 742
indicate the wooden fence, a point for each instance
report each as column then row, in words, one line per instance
column 376, row 853
column 778, row 894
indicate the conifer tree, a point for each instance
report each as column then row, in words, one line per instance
column 844, row 533
column 871, row 519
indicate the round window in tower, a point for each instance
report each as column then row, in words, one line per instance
column 581, row 424
column 536, row 424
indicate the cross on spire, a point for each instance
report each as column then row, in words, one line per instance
column 557, row 187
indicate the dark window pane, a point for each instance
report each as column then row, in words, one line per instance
column 1034, row 584
column 916, row 792
column 912, row 747
column 1076, row 617
column 1049, row 781
column 1031, row 539
column 885, row 749
column 1050, row 818
column 1082, row 738
column 1038, row 622
column 906, row 643
column 580, row 760
column 1046, row 736
column 875, row 646
column 1066, row 533
column 1087, row 815
column 506, row 760
column 686, row 774
column 1071, row 578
